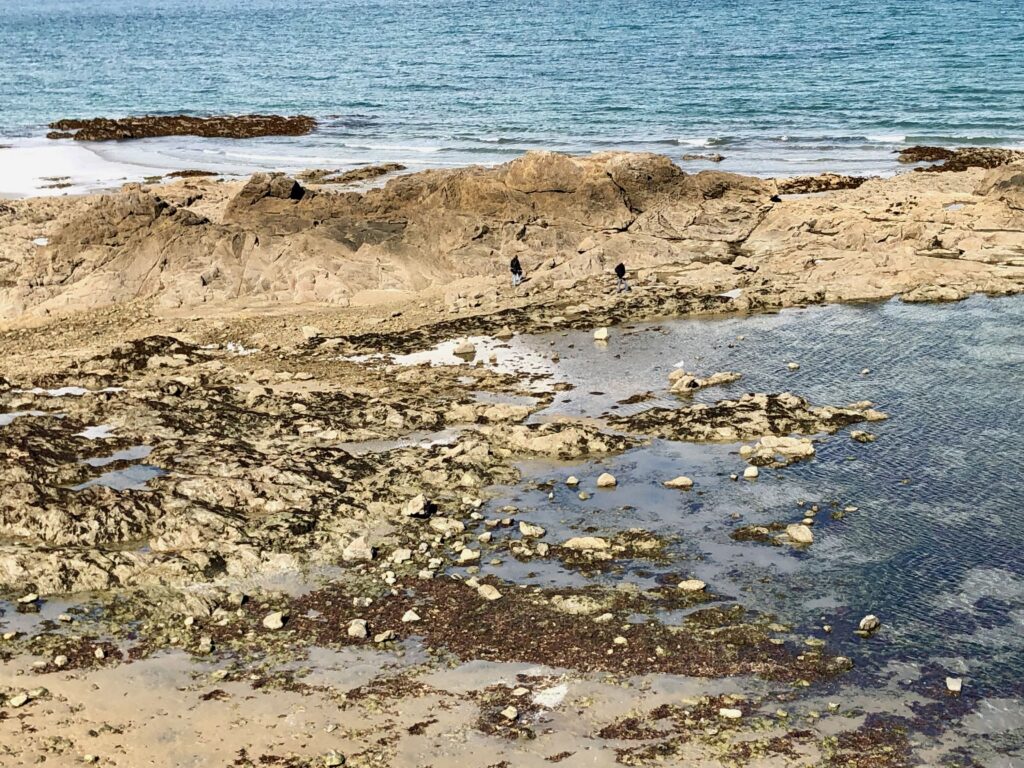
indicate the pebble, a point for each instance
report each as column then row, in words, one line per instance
column 730, row 714
column 99, row 654
column 954, row 684
column 357, row 629
column 794, row 366
column 679, row 482
column 18, row 700
column 572, row 480
column 751, row 473
column 606, row 480
column 410, row 616
column 601, row 334
column 31, row 597
column 869, row 623
column 487, row 592
column 383, row 637
column 510, row 713
column 465, row 348
column 358, row 549
column 333, row 759
column 66, row 618
column 692, row 585
column 60, row 661
column 583, row 495
column 416, row 507
column 401, row 555
column 800, row 533
column 530, row 530
column 274, row 620
column 865, row 372
column 469, row 555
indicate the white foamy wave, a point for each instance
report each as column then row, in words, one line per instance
column 886, row 138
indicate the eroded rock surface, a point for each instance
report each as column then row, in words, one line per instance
column 150, row 126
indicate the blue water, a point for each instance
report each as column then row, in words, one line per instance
column 776, row 87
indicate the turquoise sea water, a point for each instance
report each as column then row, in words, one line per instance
column 776, row 87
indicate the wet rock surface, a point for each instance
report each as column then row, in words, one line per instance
column 150, row 126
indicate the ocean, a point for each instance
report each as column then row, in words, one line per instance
column 778, row 88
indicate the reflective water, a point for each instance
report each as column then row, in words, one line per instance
column 936, row 544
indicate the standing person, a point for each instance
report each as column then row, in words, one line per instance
column 517, row 271
column 620, row 274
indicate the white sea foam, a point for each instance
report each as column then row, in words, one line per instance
column 886, row 138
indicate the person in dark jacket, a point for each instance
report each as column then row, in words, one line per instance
column 620, row 275
column 517, row 271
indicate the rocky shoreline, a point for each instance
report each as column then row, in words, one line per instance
column 191, row 368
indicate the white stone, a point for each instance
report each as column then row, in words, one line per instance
column 681, row 482
column 274, row 620
column 692, row 585
column 469, row 555
column 510, row 713
column 530, row 531
column 357, row 629
column 18, row 700
column 800, row 533
column 465, row 349
column 487, row 592
column 572, row 480
column 401, row 555
column 730, row 714
column 583, row 543
column 410, row 616
column 416, row 507
column 606, row 480
column 601, row 334
column 869, row 623
column 954, row 684
column 31, row 597
column 794, row 366
column 751, row 473
column 357, row 549
column 447, row 526
column 310, row 332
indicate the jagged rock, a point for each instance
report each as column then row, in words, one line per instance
column 585, row 543
column 681, row 482
column 274, row 620
column 149, row 126
column 358, row 550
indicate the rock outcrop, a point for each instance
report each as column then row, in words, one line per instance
column 150, row 126
column 568, row 219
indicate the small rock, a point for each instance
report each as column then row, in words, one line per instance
column 274, row 620
column 504, row 333
column 447, row 526
column 606, row 480
column 751, row 473
column 464, row 349
column 357, row 629
column 793, row 366
column 417, row 506
column 583, row 495
column 862, row 437
column 487, row 592
column 800, row 534
column 730, row 714
column 572, row 480
column 410, row 616
column 530, row 531
column 510, row 713
column 954, row 684
column 401, row 555
column 18, row 700
column 692, row 585
column 870, row 623
column 682, row 482
column 60, row 661
column 601, row 334
column 584, row 543
column 310, row 332
column 865, row 372
column 385, row 636
column 99, row 654
column 333, row 759
column 31, row 597
column 469, row 555
column 358, row 549
column 65, row 618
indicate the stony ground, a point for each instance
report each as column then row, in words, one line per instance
column 284, row 579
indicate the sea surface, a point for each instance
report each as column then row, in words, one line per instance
column 778, row 88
